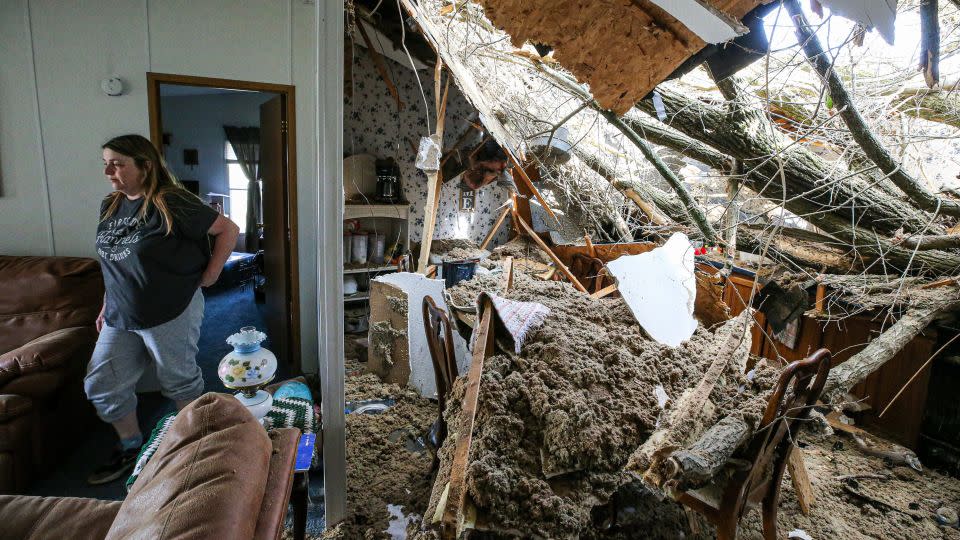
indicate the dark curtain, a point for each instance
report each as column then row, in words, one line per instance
column 245, row 142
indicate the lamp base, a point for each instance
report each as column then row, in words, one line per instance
column 258, row 404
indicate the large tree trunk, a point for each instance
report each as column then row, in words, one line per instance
column 850, row 208
column 783, row 171
column 793, row 251
column 855, row 123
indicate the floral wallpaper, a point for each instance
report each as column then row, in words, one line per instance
column 372, row 125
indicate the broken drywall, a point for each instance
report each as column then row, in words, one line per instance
column 416, row 287
column 660, row 289
column 879, row 14
column 707, row 22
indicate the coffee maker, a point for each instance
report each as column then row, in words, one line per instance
column 388, row 181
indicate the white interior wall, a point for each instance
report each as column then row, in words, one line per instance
column 55, row 117
column 24, row 214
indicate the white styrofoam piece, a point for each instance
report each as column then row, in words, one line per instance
column 416, row 287
column 660, row 289
column 702, row 21
column 799, row 533
column 879, row 14
column 378, row 39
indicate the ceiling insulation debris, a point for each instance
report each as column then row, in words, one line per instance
column 518, row 104
column 621, row 48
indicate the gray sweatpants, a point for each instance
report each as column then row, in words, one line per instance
column 121, row 356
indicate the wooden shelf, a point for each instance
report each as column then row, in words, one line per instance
column 394, row 211
column 357, row 297
column 369, row 269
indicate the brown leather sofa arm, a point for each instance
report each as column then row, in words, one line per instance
column 45, row 353
column 12, row 406
column 276, row 496
column 30, row 518
column 207, row 479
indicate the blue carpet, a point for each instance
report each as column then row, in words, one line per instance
column 225, row 312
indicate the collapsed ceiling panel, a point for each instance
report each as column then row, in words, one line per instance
column 621, row 48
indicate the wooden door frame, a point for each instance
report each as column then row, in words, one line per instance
column 288, row 94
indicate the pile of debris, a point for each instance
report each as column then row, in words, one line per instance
column 388, row 466
column 557, row 424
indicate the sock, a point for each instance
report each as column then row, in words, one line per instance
column 132, row 443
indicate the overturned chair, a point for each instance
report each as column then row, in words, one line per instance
column 436, row 324
column 766, row 456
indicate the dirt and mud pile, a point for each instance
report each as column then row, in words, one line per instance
column 556, row 424
column 386, row 460
column 858, row 497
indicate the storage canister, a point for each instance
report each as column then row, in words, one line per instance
column 359, row 243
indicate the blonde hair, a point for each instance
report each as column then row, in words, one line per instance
column 158, row 180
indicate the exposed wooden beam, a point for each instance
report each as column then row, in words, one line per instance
column 496, row 226
column 543, row 245
column 452, row 516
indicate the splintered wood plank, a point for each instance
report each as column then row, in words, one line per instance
column 452, row 518
column 496, row 226
column 821, row 295
column 609, row 289
column 434, row 183
column 800, row 479
column 543, row 245
column 508, row 273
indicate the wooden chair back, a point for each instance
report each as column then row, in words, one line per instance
column 768, row 450
column 589, row 270
column 440, row 342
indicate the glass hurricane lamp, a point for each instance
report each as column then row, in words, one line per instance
column 248, row 368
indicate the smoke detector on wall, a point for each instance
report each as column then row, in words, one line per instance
column 112, row 86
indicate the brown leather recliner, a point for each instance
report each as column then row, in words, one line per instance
column 217, row 474
column 48, row 310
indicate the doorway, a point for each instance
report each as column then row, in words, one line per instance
column 265, row 258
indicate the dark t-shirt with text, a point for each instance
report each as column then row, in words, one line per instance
column 150, row 276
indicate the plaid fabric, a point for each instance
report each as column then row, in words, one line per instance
column 150, row 448
column 516, row 317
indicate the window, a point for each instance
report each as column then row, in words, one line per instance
column 236, row 207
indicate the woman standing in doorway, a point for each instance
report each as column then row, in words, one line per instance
column 155, row 253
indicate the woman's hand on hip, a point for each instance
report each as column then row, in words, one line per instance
column 100, row 322
column 208, row 278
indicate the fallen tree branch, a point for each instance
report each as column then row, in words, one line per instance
column 857, row 126
column 850, row 209
column 697, row 216
column 930, row 42
column 697, row 464
column 938, row 241
column 663, row 204
column 696, row 213
column 885, row 346
column 780, row 170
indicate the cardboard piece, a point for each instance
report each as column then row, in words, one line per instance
column 416, row 287
column 660, row 289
